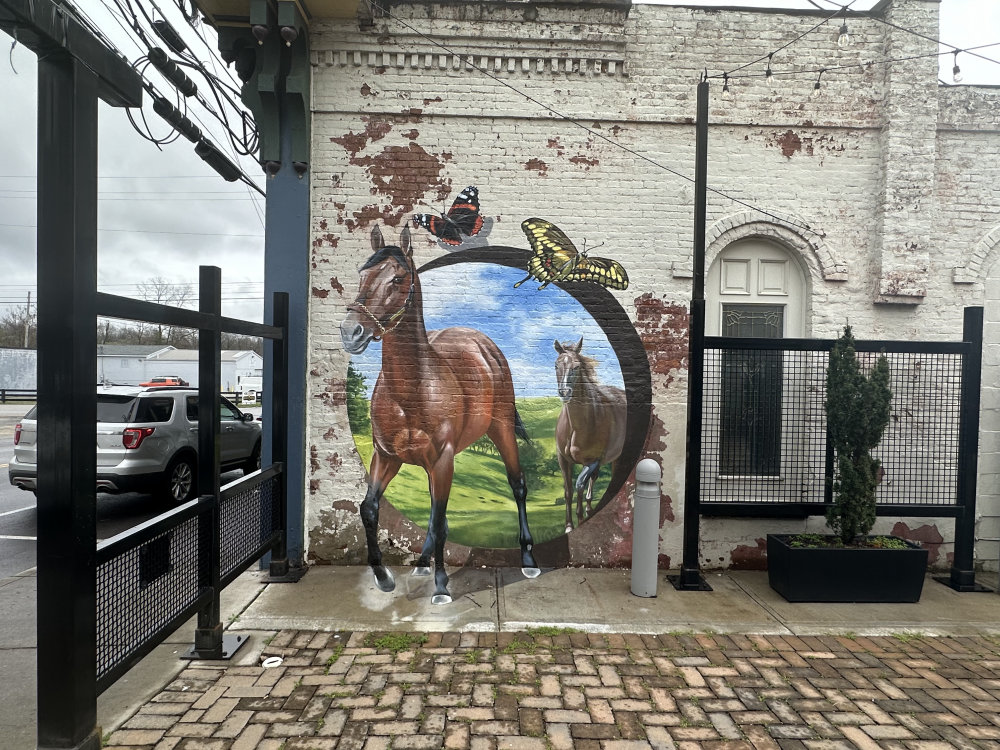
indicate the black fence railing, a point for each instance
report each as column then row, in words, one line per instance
column 17, row 395
column 764, row 452
column 149, row 578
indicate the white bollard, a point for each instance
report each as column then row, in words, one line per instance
column 645, row 527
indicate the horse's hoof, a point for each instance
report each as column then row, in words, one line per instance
column 569, row 527
column 384, row 579
column 441, row 599
column 531, row 572
column 421, row 570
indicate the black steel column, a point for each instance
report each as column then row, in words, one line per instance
column 208, row 634
column 963, row 574
column 278, row 425
column 690, row 576
column 67, row 403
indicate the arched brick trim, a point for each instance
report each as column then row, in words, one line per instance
column 812, row 249
column 987, row 252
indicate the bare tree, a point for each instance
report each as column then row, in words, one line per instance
column 162, row 292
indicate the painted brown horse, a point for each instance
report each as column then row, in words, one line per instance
column 438, row 392
column 591, row 426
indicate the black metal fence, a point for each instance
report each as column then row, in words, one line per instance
column 764, row 439
column 17, row 396
column 764, row 448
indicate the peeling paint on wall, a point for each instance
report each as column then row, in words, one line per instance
column 663, row 328
column 927, row 536
column 536, row 165
column 745, row 557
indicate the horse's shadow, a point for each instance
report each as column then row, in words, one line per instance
column 490, row 570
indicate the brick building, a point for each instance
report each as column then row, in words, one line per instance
column 873, row 199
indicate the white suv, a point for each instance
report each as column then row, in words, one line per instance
column 147, row 440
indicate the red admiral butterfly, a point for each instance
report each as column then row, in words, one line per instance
column 462, row 219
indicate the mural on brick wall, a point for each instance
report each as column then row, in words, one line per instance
column 467, row 391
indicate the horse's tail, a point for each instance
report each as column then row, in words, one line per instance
column 519, row 429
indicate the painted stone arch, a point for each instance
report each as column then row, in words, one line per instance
column 984, row 258
column 811, row 250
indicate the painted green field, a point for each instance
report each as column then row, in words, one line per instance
column 481, row 509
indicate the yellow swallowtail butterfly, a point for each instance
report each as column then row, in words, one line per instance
column 555, row 258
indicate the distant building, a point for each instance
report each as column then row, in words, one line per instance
column 125, row 364
column 128, row 364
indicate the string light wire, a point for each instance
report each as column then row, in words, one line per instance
column 469, row 61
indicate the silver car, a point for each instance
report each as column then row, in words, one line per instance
column 147, row 440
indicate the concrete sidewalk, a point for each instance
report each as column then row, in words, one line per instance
column 557, row 663
column 322, row 628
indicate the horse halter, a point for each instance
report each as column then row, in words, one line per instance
column 393, row 320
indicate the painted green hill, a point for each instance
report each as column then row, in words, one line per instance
column 481, row 509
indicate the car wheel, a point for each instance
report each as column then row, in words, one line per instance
column 253, row 463
column 180, row 482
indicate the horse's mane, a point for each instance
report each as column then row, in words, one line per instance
column 589, row 365
column 389, row 251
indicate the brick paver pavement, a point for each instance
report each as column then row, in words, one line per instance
column 554, row 690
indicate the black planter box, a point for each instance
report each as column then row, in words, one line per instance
column 823, row 574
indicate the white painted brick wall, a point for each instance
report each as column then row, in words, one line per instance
column 879, row 160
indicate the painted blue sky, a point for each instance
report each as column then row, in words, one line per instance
column 523, row 322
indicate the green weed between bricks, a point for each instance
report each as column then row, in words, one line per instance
column 395, row 642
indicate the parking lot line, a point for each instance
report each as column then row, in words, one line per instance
column 20, row 538
column 19, row 510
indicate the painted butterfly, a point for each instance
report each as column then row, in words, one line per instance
column 555, row 258
column 462, row 219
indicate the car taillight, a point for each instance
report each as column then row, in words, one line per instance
column 17, row 433
column 133, row 436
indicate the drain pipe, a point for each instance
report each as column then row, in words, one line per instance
column 645, row 527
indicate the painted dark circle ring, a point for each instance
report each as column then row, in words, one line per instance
column 608, row 313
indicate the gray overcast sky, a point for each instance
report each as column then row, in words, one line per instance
column 162, row 213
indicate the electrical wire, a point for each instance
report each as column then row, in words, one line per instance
column 150, row 231
column 771, row 54
column 852, row 66
column 924, row 36
column 469, row 61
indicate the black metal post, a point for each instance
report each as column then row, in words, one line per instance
column 278, row 422
column 67, row 404
column 208, row 634
column 963, row 574
column 690, row 576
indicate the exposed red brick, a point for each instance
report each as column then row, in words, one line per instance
column 366, row 90
column 789, row 142
column 404, row 174
column 745, row 557
column 583, row 160
column 927, row 535
column 336, row 285
column 321, row 293
column 536, row 165
column 663, row 328
column 375, row 130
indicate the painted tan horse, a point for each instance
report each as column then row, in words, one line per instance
column 591, row 428
column 438, row 392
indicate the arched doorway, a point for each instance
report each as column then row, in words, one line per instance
column 754, row 288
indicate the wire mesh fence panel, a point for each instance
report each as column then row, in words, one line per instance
column 919, row 450
column 764, row 426
column 247, row 522
column 764, row 435
column 143, row 589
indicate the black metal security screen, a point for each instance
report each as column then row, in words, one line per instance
column 779, row 386
column 750, row 394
